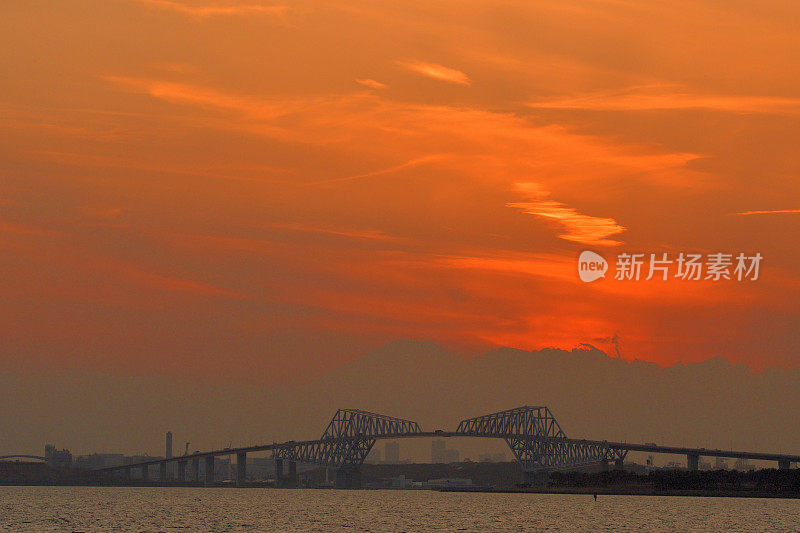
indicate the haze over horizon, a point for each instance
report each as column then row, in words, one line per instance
column 712, row 404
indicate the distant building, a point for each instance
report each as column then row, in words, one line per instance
column 57, row 458
column 392, row 452
column 374, row 456
column 441, row 454
column 169, row 445
column 443, row 483
column 492, row 457
column 451, row 455
column 99, row 460
column 401, row 482
column 260, row 468
column 223, row 467
column 438, row 451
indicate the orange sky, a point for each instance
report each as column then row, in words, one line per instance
column 192, row 187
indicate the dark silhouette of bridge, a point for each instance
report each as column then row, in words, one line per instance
column 532, row 433
column 22, row 456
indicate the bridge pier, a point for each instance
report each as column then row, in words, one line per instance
column 693, row 462
column 291, row 478
column 604, row 465
column 279, row 471
column 347, row 478
column 162, row 472
column 145, row 472
column 784, row 464
column 182, row 471
column 196, row 469
column 619, row 464
column 126, row 474
column 209, row 481
column 241, row 469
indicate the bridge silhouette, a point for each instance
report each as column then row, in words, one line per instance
column 22, row 456
column 532, row 433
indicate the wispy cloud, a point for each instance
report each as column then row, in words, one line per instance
column 372, row 84
column 368, row 234
column 213, row 9
column 458, row 141
column 171, row 283
column 769, row 212
column 670, row 97
column 408, row 164
column 437, row 72
column 580, row 228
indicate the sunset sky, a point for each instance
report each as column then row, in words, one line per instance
column 271, row 189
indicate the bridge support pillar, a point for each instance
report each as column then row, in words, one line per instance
column 348, row 478
column 126, row 474
column 241, row 469
column 279, row 471
column 162, row 472
column 619, row 464
column 784, row 464
column 291, row 478
column 604, row 465
column 145, row 472
column 693, row 462
column 182, row 471
column 209, row 481
column 196, row 469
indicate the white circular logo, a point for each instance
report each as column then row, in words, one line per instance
column 591, row 266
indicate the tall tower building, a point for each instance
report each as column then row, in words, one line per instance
column 392, row 452
column 438, row 451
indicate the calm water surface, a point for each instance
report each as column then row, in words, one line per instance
column 199, row 509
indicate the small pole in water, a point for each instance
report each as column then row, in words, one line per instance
column 595, row 496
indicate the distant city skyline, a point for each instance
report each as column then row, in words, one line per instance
column 590, row 392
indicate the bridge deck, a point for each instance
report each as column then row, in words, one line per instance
column 623, row 446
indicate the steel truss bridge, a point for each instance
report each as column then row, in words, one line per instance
column 533, row 434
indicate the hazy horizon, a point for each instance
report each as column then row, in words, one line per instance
column 591, row 394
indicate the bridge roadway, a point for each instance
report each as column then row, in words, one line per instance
column 693, row 454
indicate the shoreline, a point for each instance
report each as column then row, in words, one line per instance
column 622, row 491
column 586, row 491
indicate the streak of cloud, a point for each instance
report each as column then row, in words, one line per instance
column 436, row 72
column 670, row 97
column 372, row 84
column 351, row 233
column 408, row 164
column 768, row 212
column 580, row 228
column 210, row 10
